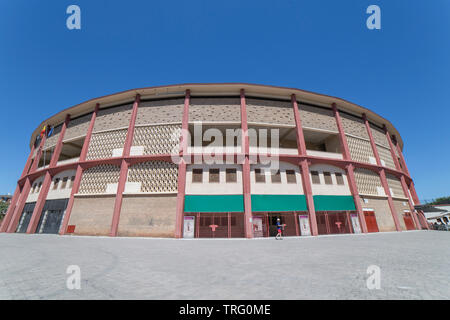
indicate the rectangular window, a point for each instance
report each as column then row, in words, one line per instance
column 72, row 179
column 315, row 177
column 231, row 175
column 276, row 176
column 197, row 175
column 339, row 178
column 327, row 177
column 290, row 176
column 259, row 176
column 64, row 182
column 214, row 175
column 34, row 188
column 55, row 184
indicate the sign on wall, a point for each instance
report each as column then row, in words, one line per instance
column 355, row 223
column 189, row 226
column 305, row 230
column 258, row 227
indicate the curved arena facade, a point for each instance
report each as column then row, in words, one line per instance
column 214, row 161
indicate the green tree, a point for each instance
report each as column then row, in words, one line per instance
column 441, row 200
column 3, row 208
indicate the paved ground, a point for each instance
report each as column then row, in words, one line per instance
column 414, row 265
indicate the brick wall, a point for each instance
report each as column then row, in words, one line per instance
column 274, row 112
column 382, row 213
column 215, row 109
column 149, row 216
column 163, row 111
column 317, row 118
column 92, row 216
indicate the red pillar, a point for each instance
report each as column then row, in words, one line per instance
column 182, row 167
column 77, row 181
column 25, row 189
column 382, row 174
column 37, row 212
column 402, row 178
column 124, row 169
column 246, row 169
column 16, row 195
column 304, row 167
column 350, row 170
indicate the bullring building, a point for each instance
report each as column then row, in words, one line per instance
column 153, row 162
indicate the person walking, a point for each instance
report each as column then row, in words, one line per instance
column 279, row 230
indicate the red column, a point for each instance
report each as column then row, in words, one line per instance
column 37, row 212
column 402, row 178
column 16, row 195
column 304, row 167
column 382, row 173
column 350, row 169
column 124, row 169
column 182, row 167
column 77, row 181
column 25, row 189
column 246, row 169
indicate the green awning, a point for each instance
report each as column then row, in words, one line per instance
column 275, row 202
column 214, row 203
column 334, row 203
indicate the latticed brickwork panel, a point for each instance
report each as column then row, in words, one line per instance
column 78, row 127
column 267, row 111
column 161, row 111
column 102, row 144
column 318, row 118
column 396, row 186
column 367, row 181
column 385, row 154
column 96, row 179
column 215, row 109
column 155, row 176
column 379, row 136
column 158, row 139
column 354, row 126
column 113, row 118
column 360, row 150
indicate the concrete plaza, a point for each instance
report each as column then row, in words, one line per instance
column 414, row 265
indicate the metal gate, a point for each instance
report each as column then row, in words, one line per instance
column 26, row 217
column 52, row 215
column 220, row 225
column 269, row 224
column 333, row 222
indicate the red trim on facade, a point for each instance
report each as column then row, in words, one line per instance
column 79, row 173
column 350, row 169
column 402, row 179
column 248, row 225
column 26, row 189
column 382, row 174
column 124, row 169
column 37, row 211
column 182, row 167
column 304, row 167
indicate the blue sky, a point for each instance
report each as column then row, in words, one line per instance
column 401, row 72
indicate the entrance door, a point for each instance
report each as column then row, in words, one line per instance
column 371, row 221
column 409, row 223
column 50, row 221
